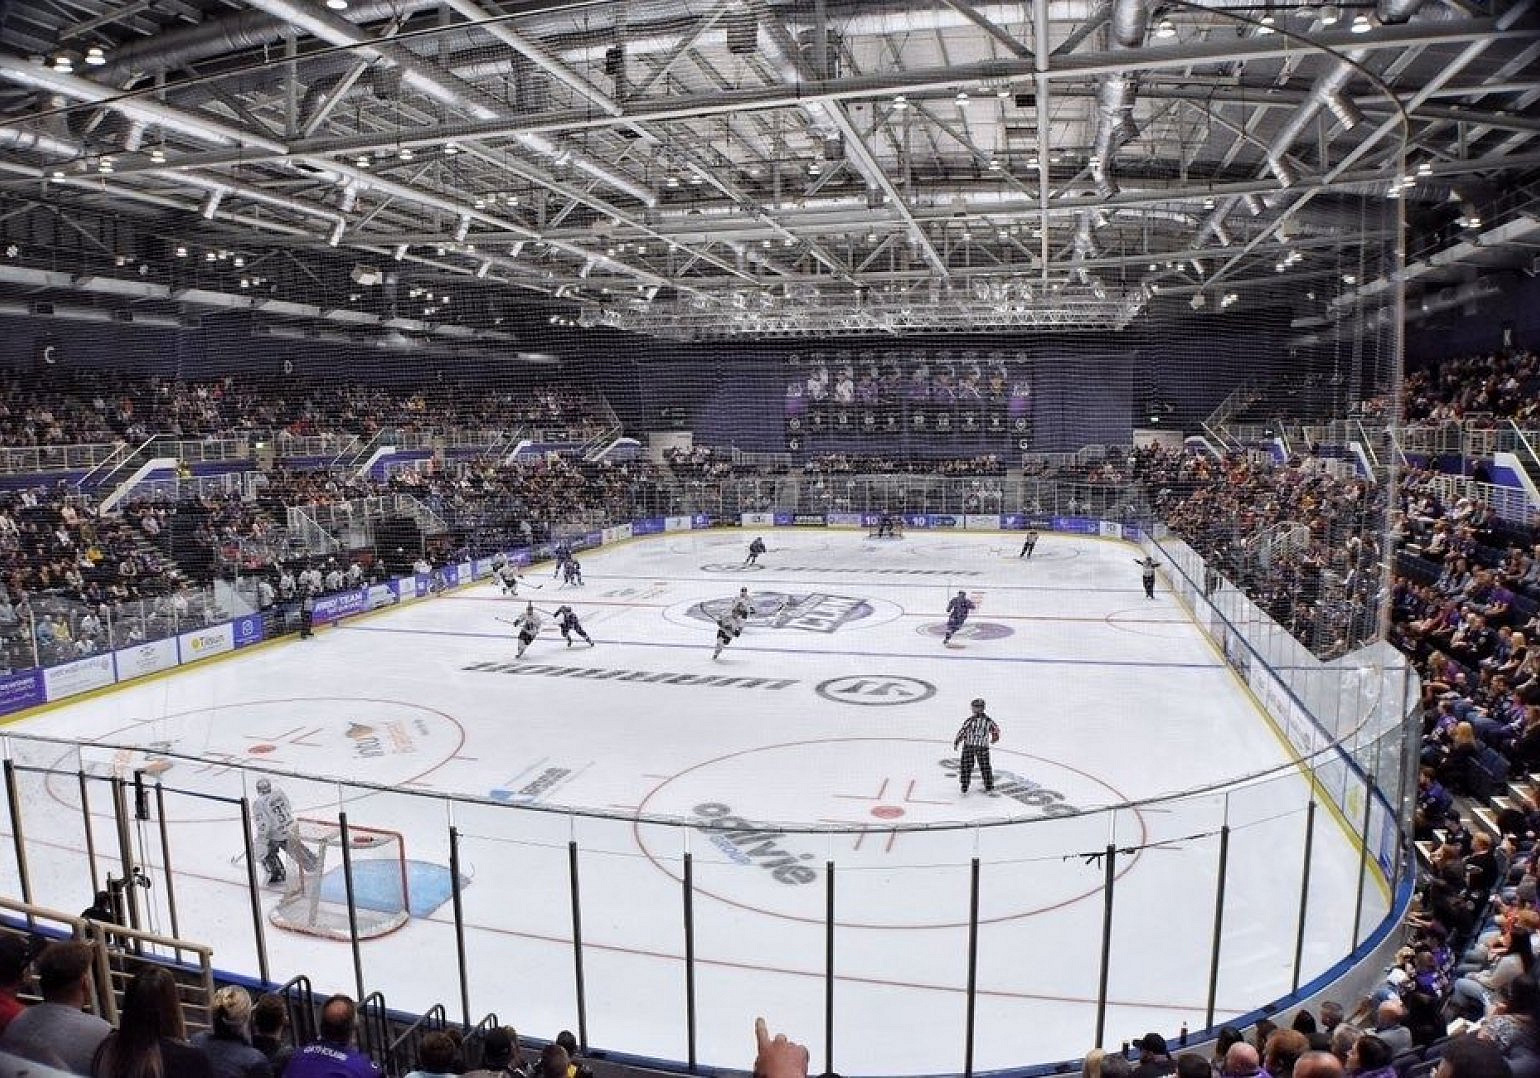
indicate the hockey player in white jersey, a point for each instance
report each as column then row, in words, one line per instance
column 507, row 575
column 528, row 625
column 729, row 628
column 276, row 831
column 743, row 606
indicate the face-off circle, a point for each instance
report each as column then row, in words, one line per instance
column 386, row 742
column 886, row 879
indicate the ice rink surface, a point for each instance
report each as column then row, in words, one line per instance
column 837, row 706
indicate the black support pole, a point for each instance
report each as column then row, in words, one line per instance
column 1219, row 924
column 973, row 964
column 459, row 908
column 165, row 859
column 828, row 969
column 689, row 958
column 18, row 835
column 1111, row 856
column 85, row 819
column 577, row 944
column 253, row 890
column 347, row 882
column 1304, row 892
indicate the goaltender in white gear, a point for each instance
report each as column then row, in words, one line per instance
column 276, row 831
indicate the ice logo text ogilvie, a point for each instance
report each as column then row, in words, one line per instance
column 746, row 843
column 1017, row 788
column 815, row 613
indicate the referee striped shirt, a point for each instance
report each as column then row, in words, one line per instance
column 979, row 730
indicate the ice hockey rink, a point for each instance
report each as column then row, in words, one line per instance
column 836, row 707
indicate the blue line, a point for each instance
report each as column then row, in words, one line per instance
column 819, row 654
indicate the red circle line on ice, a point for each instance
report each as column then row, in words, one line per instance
column 662, row 864
column 259, row 749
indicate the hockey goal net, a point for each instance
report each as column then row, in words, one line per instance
column 315, row 900
column 886, row 527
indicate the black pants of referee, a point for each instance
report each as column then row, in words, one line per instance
column 981, row 754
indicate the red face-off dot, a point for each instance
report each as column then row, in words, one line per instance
column 887, row 812
column 258, row 750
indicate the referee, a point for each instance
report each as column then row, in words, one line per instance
column 978, row 732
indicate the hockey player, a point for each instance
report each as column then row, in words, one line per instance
column 528, row 625
column 567, row 620
column 572, row 572
column 957, row 612
column 1147, row 567
column 561, row 554
column 1029, row 544
column 729, row 628
column 756, row 548
column 887, row 526
column 743, row 606
column 274, row 818
column 507, row 576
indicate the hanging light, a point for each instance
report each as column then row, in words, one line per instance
column 1361, row 24
column 337, row 5
column 64, row 63
column 962, row 99
column 1165, row 28
column 95, row 57
column 900, row 103
column 158, row 156
column 450, row 149
column 1265, row 25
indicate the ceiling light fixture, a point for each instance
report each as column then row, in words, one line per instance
column 337, row 5
column 450, row 149
column 63, row 63
column 900, row 103
column 1265, row 25
column 1361, row 24
column 95, row 57
column 1165, row 28
column 962, row 99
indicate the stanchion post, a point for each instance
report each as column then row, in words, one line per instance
column 253, row 890
column 85, row 820
column 165, row 859
column 689, row 958
column 973, row 964
column 1110, row 880
column 1304, row 892
column 577, row 943
column 18, row 832
column 459, row 912
column 347, row 883
column 828, row 969
column 1219, row 924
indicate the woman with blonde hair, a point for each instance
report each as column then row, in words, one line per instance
column 228, row 1044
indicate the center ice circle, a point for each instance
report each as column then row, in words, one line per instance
column 884, row 878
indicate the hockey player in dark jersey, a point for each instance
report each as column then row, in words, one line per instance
column 756, row 548
column 567, row 621
column 572, row 572
column 957, row 612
